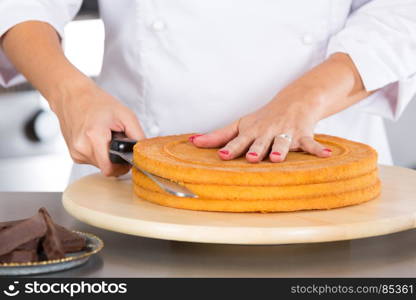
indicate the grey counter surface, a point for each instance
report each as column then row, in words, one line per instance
column 392, row 255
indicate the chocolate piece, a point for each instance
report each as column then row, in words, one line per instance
column 51, row 243
column 71, row 241
column 4, row 225
column 36, row 238
column 19, row 256
column 33, row 244
column 21, row 233
column 24, row 253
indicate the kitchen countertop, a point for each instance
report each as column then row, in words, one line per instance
column 392, row 255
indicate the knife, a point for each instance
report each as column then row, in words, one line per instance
column 121, row 152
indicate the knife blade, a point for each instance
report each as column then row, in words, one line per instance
column 121, row 152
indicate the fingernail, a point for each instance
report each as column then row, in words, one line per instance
column 276, row 153
column 225, row 152
column 252, row 153
column 191, row 138
column 328, row 150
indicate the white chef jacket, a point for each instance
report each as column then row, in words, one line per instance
column 196, row 65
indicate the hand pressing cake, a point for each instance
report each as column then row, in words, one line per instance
column 301, row 182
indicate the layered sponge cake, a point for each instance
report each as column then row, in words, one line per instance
column 301, row 182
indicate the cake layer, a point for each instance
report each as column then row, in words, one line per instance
column 269, row 205
column 266, row 192
column 175, row 158
column 301, row 182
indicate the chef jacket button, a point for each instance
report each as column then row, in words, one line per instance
column 308, row 39
column 158, row 25
column 154, row 130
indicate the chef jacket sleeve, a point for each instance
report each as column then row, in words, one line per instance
column 57, row 13
column 380, row 38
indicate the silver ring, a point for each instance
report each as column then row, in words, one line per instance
column 286, row 136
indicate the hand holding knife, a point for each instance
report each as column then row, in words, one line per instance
column 121, row 152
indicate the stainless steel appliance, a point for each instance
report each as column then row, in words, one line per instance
column 27, row 125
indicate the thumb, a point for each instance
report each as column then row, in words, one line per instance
column 132, row 127
column 217, row 138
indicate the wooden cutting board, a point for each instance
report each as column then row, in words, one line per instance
column 109, row 203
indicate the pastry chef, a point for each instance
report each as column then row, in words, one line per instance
column 253, row 78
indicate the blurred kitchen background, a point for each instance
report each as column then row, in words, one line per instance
column 33, row 155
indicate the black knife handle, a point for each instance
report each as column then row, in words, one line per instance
column 121, row 143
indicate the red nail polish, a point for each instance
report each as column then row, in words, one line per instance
column 225, row 152
column 328, row 150
column 276, row 153
column 252, row 153
column 191, row 138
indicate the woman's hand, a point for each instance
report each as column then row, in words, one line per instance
column 257, row 135
column 87, row 116
column 287, row 122
column 86, row 113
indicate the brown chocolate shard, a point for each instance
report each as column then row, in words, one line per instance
column 24, row 253
column 22, row 232
column 4, row 225
column 37, row 238
column 19, row 256
column 71, row 241
column 33, row 244
column 74, row 245
column 51, row 243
